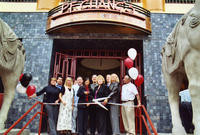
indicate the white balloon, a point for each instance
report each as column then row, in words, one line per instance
column 132, row 53
column 133, row 73
column 21, row 89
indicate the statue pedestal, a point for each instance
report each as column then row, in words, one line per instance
column 15, row 131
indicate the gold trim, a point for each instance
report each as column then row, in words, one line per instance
column 32, row 7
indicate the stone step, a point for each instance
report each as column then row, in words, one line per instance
column 121, row 134
column 27, row 132
column 169, row 134
column 15, row 131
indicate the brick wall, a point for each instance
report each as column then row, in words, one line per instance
column 157, row 95
column 31, row 28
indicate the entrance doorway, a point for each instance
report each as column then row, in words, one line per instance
column 70, row 57
column 68, row 54
column 84, row 58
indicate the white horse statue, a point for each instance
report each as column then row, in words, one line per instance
column 12, row 59
column 181, row 64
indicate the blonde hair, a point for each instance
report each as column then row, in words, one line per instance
column 115, row 76
column 100, row 77
column 70, row 79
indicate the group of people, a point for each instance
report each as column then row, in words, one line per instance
column 70, row 108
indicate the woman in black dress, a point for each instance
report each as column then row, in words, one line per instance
column 101, row 114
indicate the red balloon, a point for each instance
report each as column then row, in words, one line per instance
column 139, row 80
column 21, row 77
column 30, row 90
column 128, row 62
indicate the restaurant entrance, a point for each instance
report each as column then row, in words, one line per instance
column 84, row 58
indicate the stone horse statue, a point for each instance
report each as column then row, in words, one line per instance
column 181, row 65
column 12, row 59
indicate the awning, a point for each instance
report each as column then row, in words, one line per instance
column 98, row 17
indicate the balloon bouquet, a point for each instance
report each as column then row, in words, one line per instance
column 133, row 72
column 24, row 87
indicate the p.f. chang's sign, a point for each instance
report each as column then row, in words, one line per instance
column 112, row 5
column 111, row 12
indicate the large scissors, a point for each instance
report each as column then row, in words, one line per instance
column 97, row 101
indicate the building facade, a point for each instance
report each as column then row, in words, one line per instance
column 42, row 48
